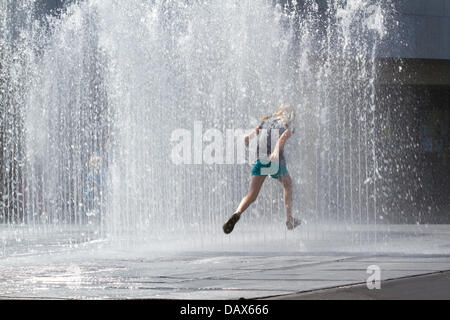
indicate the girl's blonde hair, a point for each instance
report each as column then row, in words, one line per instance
column 281, row 113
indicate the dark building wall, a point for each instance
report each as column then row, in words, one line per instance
column 418, row 29
column 414, row 136
column 414, row 101
column 423, row 30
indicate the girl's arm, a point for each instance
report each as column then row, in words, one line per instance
column 280, row 145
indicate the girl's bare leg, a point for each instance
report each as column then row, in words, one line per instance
column 255, row 186
column 286, row 181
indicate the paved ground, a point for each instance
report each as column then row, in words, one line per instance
column 102, row 271
column 435, row 286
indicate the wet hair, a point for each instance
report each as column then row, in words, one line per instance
column 280, row 113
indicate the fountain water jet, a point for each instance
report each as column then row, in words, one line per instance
column 109, row 82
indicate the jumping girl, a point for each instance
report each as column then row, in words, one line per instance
column 272, row 162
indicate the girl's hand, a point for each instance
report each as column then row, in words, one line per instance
column 246, row 140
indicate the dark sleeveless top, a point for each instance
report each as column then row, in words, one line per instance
column 267, row 129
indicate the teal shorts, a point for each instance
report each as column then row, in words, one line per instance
column 275, row 170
